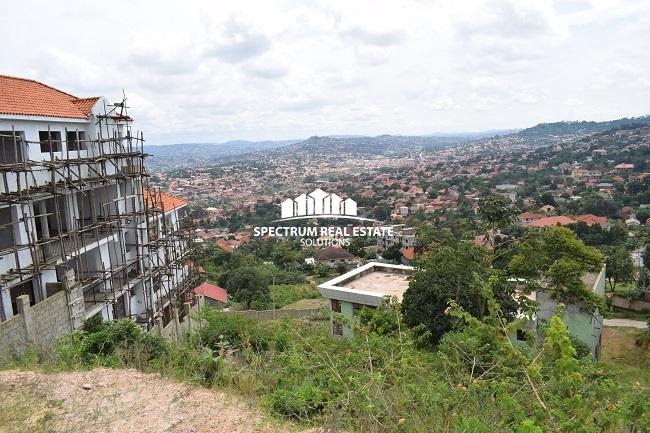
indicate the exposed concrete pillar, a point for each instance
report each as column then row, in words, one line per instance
column 187, row 309
column 75, row 297
column 45, row 228
column 24, row 309
column 5, row 303
column 69, row 205
column 177, row 322
column 158, row 326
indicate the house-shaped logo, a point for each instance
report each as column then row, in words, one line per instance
column 318, row 204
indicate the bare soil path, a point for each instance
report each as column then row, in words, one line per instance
column 121, row 401
column 625, row 323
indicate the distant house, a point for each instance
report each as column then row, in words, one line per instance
column 590, row 220
column 605, row 185
column 401, row 234
column 547, row 209
column 483, row 242
column 623, row 168
column 632, row 222
column 551, row 221
column 408, row 254
column 214, row 295
column 529, row 217
column 332, row 256
column 580, row 173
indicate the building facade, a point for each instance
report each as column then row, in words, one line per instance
column 76, row 214
column 364, row 287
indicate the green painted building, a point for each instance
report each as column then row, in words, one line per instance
column 365, row 286
column 584, row 325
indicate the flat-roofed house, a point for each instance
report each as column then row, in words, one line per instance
column 365, row 286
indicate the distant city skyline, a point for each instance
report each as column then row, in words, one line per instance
column 212, row 72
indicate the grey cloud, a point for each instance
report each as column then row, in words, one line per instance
column 239, row 42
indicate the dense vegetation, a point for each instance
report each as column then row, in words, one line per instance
column 580, row 127
column 388, row 378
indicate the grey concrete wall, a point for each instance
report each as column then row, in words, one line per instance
column 12, row 335
column 278, row 314
column 619, row 301
column 40, row 325
column 50, row 320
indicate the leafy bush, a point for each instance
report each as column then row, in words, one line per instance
column 237, row 329
column 382, row 380
column 111, row 343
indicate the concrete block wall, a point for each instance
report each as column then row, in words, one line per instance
column 40, row 325
column 12, row 335
column 50, row 320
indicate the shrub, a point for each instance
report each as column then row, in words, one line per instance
column 111, row 343
column 237, row 329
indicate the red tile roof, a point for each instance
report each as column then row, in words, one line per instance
column 23, row 97
column 552, row 221
column 163, row 201
column 213, row 292
column 590, row 219
column 531, row 215
column 408, row 253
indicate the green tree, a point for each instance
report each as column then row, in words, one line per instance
column 393, row 253
column 620, row 268
column 381, row 213
column 555, row 260
column 458, row 273
column 247, row 285
column 495, row 212
column 546, row 199
column 322, row 270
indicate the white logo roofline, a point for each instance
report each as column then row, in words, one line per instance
column 318, row 204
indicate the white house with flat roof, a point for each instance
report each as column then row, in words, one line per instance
column 365, row 286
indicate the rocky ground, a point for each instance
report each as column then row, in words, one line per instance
column 121, row 401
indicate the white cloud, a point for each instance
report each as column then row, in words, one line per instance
column 572, row 102
column 443, row 104
column 214, row 71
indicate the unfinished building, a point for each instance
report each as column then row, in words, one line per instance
column 76, row 214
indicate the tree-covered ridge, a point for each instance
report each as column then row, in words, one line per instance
column 580, row 127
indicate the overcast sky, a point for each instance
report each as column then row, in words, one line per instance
column 214, row 71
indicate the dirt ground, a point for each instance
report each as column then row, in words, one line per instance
column 121, row 401
column 619, row 348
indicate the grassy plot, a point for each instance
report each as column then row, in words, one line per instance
column 281, row 295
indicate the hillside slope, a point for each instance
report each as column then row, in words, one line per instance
column 119, row 401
